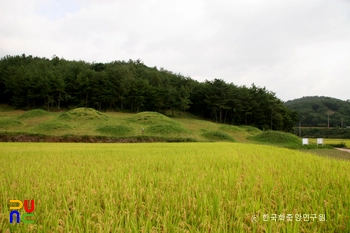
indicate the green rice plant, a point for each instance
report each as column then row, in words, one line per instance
column 168, row 187
column 115, row 129
column 217, row 136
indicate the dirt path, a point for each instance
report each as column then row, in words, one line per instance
column 343, row 149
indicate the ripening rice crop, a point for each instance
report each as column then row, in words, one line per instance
column 337, row 142
column 182, row 187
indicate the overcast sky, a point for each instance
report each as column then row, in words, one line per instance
column 294, row 48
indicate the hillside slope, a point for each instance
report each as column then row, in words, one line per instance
column 144, row 126
column 314, row 111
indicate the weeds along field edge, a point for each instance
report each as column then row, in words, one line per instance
column 173, row 187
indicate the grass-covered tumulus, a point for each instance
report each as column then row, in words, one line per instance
column 34, row 113
column 149, row 118
column 83, row 114
column 277, row 137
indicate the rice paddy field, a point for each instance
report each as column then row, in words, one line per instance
column 337, row 141
column 168, row 187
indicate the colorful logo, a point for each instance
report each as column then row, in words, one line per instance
column 26, row 208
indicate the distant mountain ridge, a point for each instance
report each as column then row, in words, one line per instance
column 314, row 111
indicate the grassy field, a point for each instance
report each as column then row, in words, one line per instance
column 168, row 187
column 89, row 125
column 86, row 121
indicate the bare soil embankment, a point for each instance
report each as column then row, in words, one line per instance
column 85, row 138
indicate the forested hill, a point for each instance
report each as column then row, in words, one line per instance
column 314, row 111
column 32, row 82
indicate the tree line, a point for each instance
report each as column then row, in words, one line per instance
column 28, row 82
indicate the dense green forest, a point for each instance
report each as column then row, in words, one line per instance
column 317, row 132
column 28, row 82
column 314, row 111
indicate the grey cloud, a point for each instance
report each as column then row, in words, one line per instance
column 293, row 47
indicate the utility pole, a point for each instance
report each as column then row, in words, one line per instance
column 328, row 120
column 329, row 112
